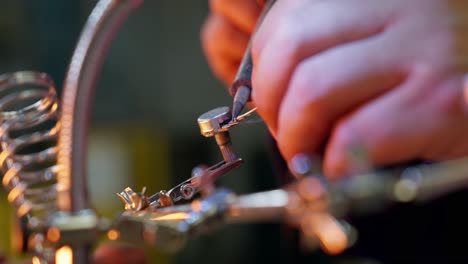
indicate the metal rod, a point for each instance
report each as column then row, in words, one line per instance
column 170, row 227
column 258, row 207
column 78, row 91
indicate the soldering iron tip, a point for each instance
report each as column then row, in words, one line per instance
column 241, row 98
column 236, row 110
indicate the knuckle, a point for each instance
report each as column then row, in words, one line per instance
column 294, row 32
column 311, row 88
column 288, row 37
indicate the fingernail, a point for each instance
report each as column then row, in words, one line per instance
column 301, row 165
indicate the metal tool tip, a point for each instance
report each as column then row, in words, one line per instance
column 236, row 110
column 240, row 100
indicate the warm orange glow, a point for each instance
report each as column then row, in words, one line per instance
column 23, row 209
column 113, row 234
column 36, row 260
column 327, row 229
column 196, row 206
column 3, row 156
column 235, row 211
column 173, row 216
column 64, row 255
column 14, row 193
column 10, row 174
column 53, row 234
column 331, row 235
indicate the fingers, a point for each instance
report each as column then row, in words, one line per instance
column 241, row 13
column 224, row 45
column 401, row 126
column 289, row 35
column 226, row 33
column 321, row 91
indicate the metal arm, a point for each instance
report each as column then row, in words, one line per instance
column 78, row 91
column 309, row 204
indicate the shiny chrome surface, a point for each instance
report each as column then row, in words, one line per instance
column 80, row 82
column 29, row 128
column 83, row 72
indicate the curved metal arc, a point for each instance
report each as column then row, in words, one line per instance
column 78, row 92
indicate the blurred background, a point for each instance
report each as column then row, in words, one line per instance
column 154, row 85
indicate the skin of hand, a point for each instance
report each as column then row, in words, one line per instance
column 387, row 76
column 226, row 33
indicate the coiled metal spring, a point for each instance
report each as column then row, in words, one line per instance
column 29, row 126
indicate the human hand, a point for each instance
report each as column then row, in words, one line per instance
column 385, row 75
column 226, row 33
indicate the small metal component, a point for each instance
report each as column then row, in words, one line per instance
column 238, row 119
column 202, row 179
column 211, row 122
column 203, row 173
column 183, row 191
column 223, row 140
column 217, row 123
column 241, row 98
column 164, row 199
column 169, row 227
column 134, row 201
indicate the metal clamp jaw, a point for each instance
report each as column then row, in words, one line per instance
column 170, row 224
column 214, row 123
column 304, row 204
